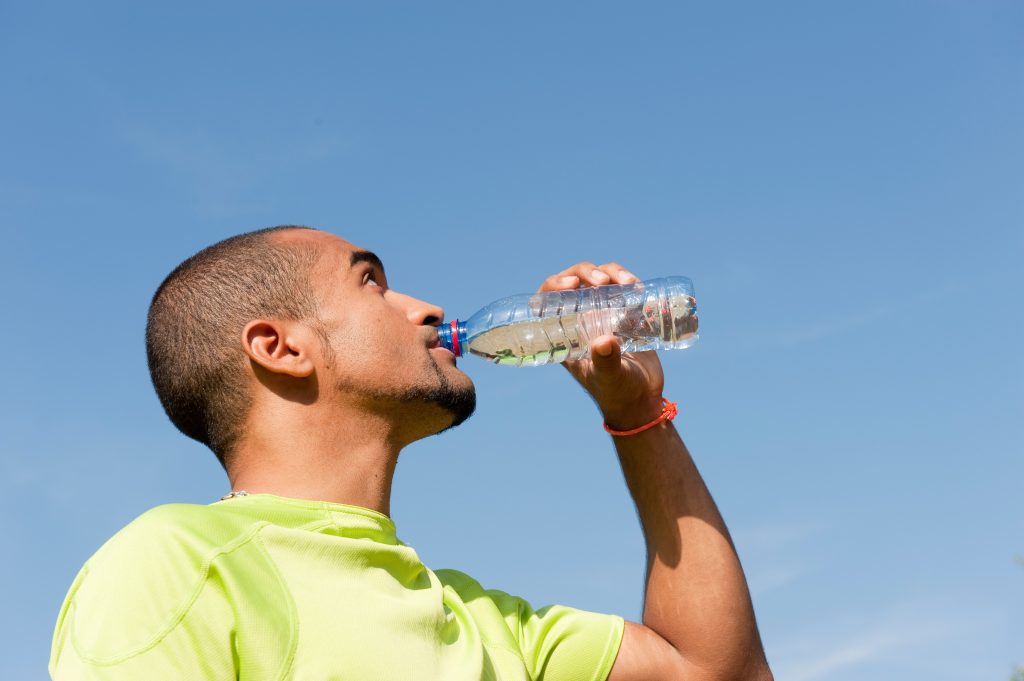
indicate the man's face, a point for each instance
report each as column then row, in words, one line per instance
column 382, row 347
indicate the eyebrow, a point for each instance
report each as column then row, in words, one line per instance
column 366, row 256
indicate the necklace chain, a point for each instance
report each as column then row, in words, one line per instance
column 239, row 493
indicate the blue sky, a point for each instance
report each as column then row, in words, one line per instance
column 842, row 181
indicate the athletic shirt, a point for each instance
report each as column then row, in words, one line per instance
column 262, row 588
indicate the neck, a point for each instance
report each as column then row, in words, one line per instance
column 349, row 458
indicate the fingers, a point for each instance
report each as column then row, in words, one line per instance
column 618, row 273
column 588, row 274
column 560, row 282
column 605, row 357
column 606, row 354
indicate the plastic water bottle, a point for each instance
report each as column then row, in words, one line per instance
column 554, row 326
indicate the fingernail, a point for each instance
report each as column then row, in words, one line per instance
column 599, row 275
column 626, row 274
column 604, row 350
column 567, row 280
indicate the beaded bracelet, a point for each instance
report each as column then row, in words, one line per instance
column 668, row 412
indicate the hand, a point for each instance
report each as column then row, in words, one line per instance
column 626, row 386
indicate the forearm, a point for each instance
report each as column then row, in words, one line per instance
column 696, row 596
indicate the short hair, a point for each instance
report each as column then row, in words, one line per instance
column 195, row 323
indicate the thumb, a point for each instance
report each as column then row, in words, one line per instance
column 605, row 354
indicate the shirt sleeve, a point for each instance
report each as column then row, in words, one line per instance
column 196, row 647
column 144, row 607
column 556, row 642
column 562, row 643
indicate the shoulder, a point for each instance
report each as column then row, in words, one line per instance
column 457, row 580
column 501, row 603
column 145, row 578
column 171, row 542
column 468, row 588
column 180, row 526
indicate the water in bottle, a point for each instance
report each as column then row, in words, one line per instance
column 554, row 326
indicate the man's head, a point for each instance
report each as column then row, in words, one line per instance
column 299, row 316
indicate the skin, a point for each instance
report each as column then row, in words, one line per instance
column 698, row 619
column 329, row 421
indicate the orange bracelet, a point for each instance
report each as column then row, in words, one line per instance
column 668, row 412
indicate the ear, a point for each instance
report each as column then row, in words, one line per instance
column 281, row 347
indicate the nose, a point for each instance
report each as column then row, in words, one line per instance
column 418, row 312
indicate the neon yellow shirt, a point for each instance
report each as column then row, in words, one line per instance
column 263, row 588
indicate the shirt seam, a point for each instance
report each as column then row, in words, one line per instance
column 66, row 615
column 293, row 616
column 178, row 616
column 315, row 505
column 611, row 649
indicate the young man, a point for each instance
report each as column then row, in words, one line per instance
column 286, row 353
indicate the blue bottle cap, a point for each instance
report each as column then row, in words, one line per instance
column 452, row 335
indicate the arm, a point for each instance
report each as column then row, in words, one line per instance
column 698, row 620
column 696, row 596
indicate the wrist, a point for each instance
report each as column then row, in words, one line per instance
column 634, row 414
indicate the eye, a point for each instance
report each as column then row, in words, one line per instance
column 370, row 276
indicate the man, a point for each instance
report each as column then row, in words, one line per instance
column 286, row 353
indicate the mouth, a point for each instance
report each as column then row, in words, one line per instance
column 434, row 343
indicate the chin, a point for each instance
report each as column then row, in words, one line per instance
column 444, row 402
column 458, row 401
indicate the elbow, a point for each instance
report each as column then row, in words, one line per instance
column 755, row 666
column 753, row 671
column 756, row 672
column 751, row 665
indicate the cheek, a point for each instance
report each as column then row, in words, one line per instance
column 374, row 352
column 363, row 332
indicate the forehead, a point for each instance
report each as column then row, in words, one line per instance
column 335, row 252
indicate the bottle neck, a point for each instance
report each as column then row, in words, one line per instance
column 452, row 335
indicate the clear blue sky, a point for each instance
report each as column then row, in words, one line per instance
column 843, row 182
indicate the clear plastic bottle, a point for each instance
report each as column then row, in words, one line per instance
column 544, row 328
